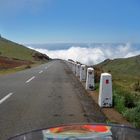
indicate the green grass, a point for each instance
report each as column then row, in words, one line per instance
column 125, row 74
column 97, row 87
column 128, row 66
column 133, row 115
column 128, row 105
column 14, row 50
column 11, row 49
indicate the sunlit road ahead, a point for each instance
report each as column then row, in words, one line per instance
column 44, row 96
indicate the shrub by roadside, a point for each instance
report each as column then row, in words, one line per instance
column 128, row 105
column 136, row 86
column 133, row 115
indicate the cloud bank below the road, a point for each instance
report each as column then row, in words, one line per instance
column 92, row 55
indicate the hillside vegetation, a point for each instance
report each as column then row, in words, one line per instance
column 13, row 55
column 125, row 71
column 126, row 66
column 13, row 50
column 126, row 85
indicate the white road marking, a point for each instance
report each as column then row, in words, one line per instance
column 24, row 138
column 41, row 71
column 6, row 97
column 30, row 79
column 49, row 65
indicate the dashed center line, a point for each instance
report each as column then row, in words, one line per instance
column 5, row 98
column 24, row 138
column 30, row 79
column 41, row 71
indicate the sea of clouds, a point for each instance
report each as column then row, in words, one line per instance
column 92, row 55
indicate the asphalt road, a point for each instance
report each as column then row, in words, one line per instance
column 41, row 97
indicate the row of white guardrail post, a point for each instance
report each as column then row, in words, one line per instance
column 87, row 75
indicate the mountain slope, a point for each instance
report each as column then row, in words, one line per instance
column 13, row 50
column 124, row 66
column 125, row 71
column 13, row 55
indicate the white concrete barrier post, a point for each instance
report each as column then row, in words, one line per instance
column 77, row 70
column 71, row 65
column 68, row 63
column 90, row 85
column 105, row 90
column 83, row 73
column 74, row 68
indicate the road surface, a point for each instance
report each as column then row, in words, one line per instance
column 41, row 97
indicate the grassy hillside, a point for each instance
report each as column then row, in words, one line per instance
column 125, row 71
column 126, row 65
column 15, row 57
column 126, row 86
column 13, row 50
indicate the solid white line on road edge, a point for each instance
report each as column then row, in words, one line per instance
column 30, row 79
column 6, row 97
column 41, row 71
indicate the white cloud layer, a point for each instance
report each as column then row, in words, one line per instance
column 91, row 56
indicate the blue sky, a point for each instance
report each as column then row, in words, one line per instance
column 43, row 21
